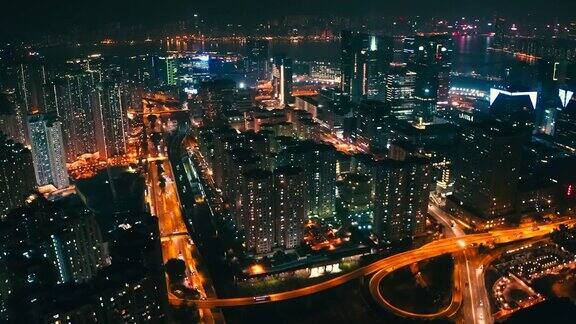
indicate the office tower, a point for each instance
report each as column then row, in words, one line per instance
column 258, row 58
column 364, row 61
column 356, row 195
column 401, row 190
column 282, row 80
column 12, row 118
column 16, row 174
column 514, row 106
column 45, row 132
column 374, row 120
column 550, row 74
column 109, row 120
column 565, row 127
column 431, row 60
column 289, row 206
column 70, row 98
column 319, row 164
column 400, row 85
column 257, row 211
column 486, row 169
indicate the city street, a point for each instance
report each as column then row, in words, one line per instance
column 382, row 267
column 176, row 242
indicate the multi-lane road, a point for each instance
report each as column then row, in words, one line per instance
column 389, row 264
column 165, row 204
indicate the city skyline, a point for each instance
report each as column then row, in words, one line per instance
column 306, row 162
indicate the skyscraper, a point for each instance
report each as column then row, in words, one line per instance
column 12, row 118
column 401, row 190
column 430, row 58
column 75, row 247
column 364, row 61
column 258, row 58
column 486, row 169
column 289, row 206
column 171, row 71
column 374, row 122
column 550, row 74
column 216, row 98
column 48, row 150
column 565, row 127
column 282, row 80
column 257, row 211
column 515, row 106
column 70, row 98
column 32, row 75
column 109, row 120
column 319, row 164
column 356, row 195
column 16, row 174
column 400, row 86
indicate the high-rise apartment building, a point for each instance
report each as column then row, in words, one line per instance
column 70, row 98
column 256, row 204
column 109, row 120
column 289, row 206
column 401, row 190
column 319, row 164
column 45, row 133
column 12, row 118
column 16, row 174
column 486, row 169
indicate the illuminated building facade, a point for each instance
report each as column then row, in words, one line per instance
column 171, row 71
column 257, row 211
column 48, row 150
column 282, row 80
column 216, row 98
column 109, row 120
column 374, row 120
column 486, row 169
column 75, row 248
column 289, row 206
column 319, row 164
column 400, row 85
column 565, row 126
column 70, row 98
column 12, row 119
column 514, row 106
column 364, row 61
column 355, row 192
column 258, row 58
column 430, row 56
column 401, row 191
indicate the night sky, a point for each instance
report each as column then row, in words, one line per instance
column 34, row 15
